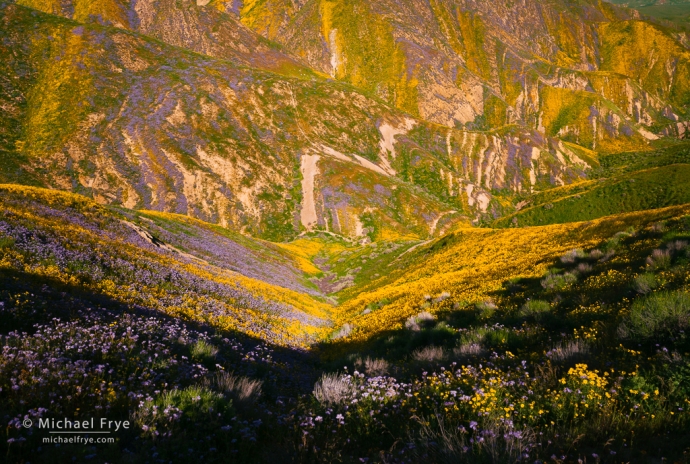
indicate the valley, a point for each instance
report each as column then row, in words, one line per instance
column 318, row 231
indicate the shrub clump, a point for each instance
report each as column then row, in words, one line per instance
column 574, row 349
column 203, row 351
column 486, row 309
column 645, row 283
column 468, row 350
column 660, row 259
column 419, row 321
column 242, row 390
column 658, row 314
column 429, row 354
column 334, row 389
column 572, row 256
column 343, row 332
column 535, row 309
column 558, row 281
column 174, row 410
column 373, row 367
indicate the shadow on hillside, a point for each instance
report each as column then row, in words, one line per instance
column 593, row 300
column 27, row 299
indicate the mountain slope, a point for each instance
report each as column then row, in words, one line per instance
column 470, row 266
column 623, row 183
column 480, row 64
column 263, row 153
column 189, row 25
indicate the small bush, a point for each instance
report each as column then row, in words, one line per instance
column 574, row 349
column 614, row 242
column 194, row 408
column 486, row 309
column 645, row 283
column 343, row 332
column 659, row 314
column 376, row 367
column 203, row 351
column 659, row 227
column 584, row 268
column 443, row 296
column 572, row 256
column 677, row 245
column 558, row 281
column 421, row 320
column 241, row 389
column 429, row 354
column 596, row 254
column 468, row 350
column 535, row 309
column 660, row 259
column 373, row 367
column 476, row 336
column 438, row 442
column 333, row 389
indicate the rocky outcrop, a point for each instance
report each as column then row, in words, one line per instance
column 481, row 65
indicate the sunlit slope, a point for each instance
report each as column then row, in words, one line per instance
column 225, row 144
column 623, row 183
column 191, row 25
column 482, row 65
column 676, row 12
column 166, row 263
column 470, row 266
column 128, row 120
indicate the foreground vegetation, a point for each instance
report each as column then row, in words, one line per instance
column 558, row 343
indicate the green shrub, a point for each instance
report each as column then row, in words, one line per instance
column 558, row 281
column 535, row 309
column 572, row 256
column 203, row 351
column 343, row 332
column 659, row 314
column 242, row 390
column 194, row 407
column 486, row 309
column 6, row 242
column 645, row 283
column 660, row 259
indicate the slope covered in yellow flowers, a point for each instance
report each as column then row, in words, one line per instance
column 470, row 266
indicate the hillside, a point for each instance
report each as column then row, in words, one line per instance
column 551, row 66
column 328, row 231
column 481, row 331
column 622, row 183
column 167, row 263
column 247, row 136
column 260, row 153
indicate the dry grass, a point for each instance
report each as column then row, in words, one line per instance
column 333, row 389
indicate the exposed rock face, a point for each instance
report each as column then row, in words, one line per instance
column 482, row 64
column 212, row 120
column 200, row 26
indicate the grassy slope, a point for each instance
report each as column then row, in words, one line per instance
column 473, row 265
column 622, row 183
